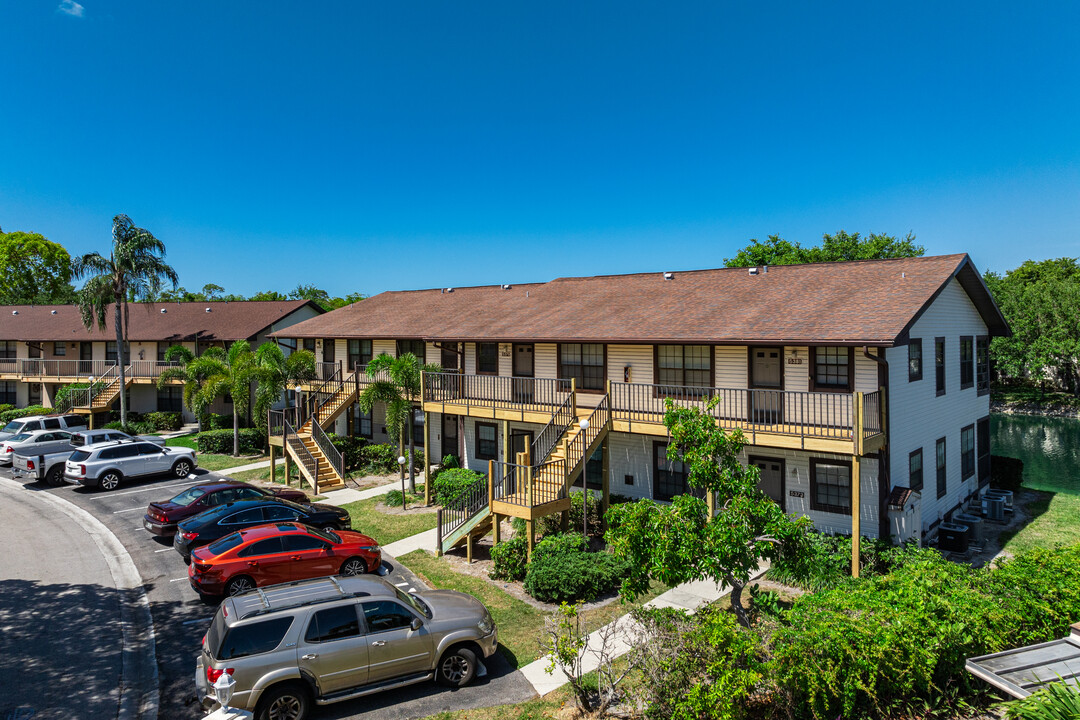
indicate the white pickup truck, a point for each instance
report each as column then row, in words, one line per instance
column 44, row 461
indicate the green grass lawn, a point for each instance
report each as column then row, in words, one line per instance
column 520, row 624
column 212, row 461
column 1054, row 521
column 385, row 528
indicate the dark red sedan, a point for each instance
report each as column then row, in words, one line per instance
column 278, row 553
column 162, row 517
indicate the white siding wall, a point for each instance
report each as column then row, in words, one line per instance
column 470, row 358
column 796, row 368
column 547, row 360
column 918, row 417
column 730, row 366
column 382, row 345
column 639, row 358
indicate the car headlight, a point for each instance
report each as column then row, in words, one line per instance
column 370, row 548
column 485, row 625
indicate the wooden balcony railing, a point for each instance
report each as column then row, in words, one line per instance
column 515, row 393
column 530, row 485
column 59, row 369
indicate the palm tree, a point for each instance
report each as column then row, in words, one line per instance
column 192, row 382
column 276, row 373
column 135, row 271
column 223, row 374
column 396, row 383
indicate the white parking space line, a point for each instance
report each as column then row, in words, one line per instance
column 178, row 579
column 400, row 584
column 117, row 512
column 162, row 550
column 152, row 488
column 412, row 589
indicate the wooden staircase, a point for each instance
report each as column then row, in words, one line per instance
column 319, row 462
column 323, row 478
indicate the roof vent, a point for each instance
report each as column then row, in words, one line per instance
column 753, row 271
column 507, row 287
column 163, row 311
column 669, row 276
column 207, row 309
column 52, row 312
column 449, row 290
column 764, row 269
column 14, row 312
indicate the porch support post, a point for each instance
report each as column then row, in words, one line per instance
column 496, row 535
column 273, row 465
column 564, row 520
column 468, row 548
column 856, row 508
column 288, row 466
column 530, row 534
column 427, row 458
column 506, row 441
column 710, row 500
column 605, row 484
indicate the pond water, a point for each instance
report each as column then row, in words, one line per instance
column 1049, row 447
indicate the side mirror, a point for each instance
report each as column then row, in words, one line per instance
column 416, row 624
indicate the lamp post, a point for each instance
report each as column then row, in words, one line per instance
column 401, row 464
column 298, row 389
column 584, row 425
column 223, row 692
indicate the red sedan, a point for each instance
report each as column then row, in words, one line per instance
column 162, row 517
column 278, row 553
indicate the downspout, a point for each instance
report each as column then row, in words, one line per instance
column 884, row 481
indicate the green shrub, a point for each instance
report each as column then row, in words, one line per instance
column 829, row 560
column 4, row 407
column 451, row 485
column 1006, row 473
column 393, row 497
column 165, row 421
column 132, row 428
column 62, row 393
column 214, row 421
column 509, row 559
column 1057, row 701
column 16, row 413
column 562, row 570
column 551, row 524
column 252, row 441
column 449, row 462
column 349, row 446
column 379, row 459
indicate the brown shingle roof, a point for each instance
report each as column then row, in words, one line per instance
column 865, row 302
column 180, row 321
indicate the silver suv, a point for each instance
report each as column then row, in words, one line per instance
column 337, row 638
column 106, row 465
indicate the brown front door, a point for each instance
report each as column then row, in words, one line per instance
column 450, row 442
column 767, row 381
column 520, row 441
column 771, row 479
column 524, row 368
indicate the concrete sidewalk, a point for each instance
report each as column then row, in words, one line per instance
column 688, row 596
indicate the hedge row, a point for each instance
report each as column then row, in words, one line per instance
column 252, row 441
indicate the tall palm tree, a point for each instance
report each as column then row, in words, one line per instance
column 396, row 383
column 135, row 270
column 276, row 373
column 223, row 374
column 182, row 371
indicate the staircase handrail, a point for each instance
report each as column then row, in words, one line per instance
column 84, row 397
column 320, row 395
column 453, row 516
column 303, row 455
column 333, row 455
column 548, row 438
column 548, row 481
column 577, row 448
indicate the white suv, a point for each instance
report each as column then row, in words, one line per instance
column 105, row 466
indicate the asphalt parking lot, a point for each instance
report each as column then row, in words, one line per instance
column 181, row 618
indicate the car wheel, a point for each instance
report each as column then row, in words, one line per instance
column 289, row 701
column 457, row 667
column 239, row 584
column 181, row 468
column 55, row 477
column 354, row 566
column 109, row 481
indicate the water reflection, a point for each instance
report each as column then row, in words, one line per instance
column 1049, row 447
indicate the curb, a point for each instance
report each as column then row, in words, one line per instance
column 139, row 689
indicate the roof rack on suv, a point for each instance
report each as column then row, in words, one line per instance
column 260, row 601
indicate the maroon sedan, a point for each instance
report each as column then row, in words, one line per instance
column 162, row 517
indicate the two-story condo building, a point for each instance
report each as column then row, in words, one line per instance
column 862, row 387
column 46, row 347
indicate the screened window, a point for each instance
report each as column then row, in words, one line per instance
column 982, row 364
column 671, row 475
column 170, row 399
column 830, row 486
column 60, row 349
column 416, row 347
column 583, row 362
column 359, row 354
column 8, row 350
column 487, row 441
column 915, row 474
column 7, row 392
column 967, row 362
column 309, row 345
column 914, row 360
column 939, row 364
column 418, row 425
column 967, row 452
column 361, row 422
column 487, row 358
column 685, row 365
column 942, row 480
column 832, row 368
column 110, row 350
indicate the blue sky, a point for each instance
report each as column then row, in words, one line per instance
column 369, row 146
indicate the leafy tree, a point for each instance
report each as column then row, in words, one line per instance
column 223, row 374
column 396, row 383
column 183, row 372
column 276, row 373
column 135, row 270
column 211, row 291
column 265, row 295
column 1041, row 301
column 680, row 542
column 34, row 270
column 841, row 246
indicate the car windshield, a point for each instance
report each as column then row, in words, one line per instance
column 325, row 534
column 225, row 544
column 13, row 427
column 19, row 438
column 188, row 496
column 79, row 456
column 414, row 602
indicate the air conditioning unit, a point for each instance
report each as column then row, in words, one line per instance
column 994, row 507
column 953, row 537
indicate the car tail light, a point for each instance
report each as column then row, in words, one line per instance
column 189, row 535
column 7, row 448
column 212, row 675
column 201, row 567
column 82, row 469
column 29, row 464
